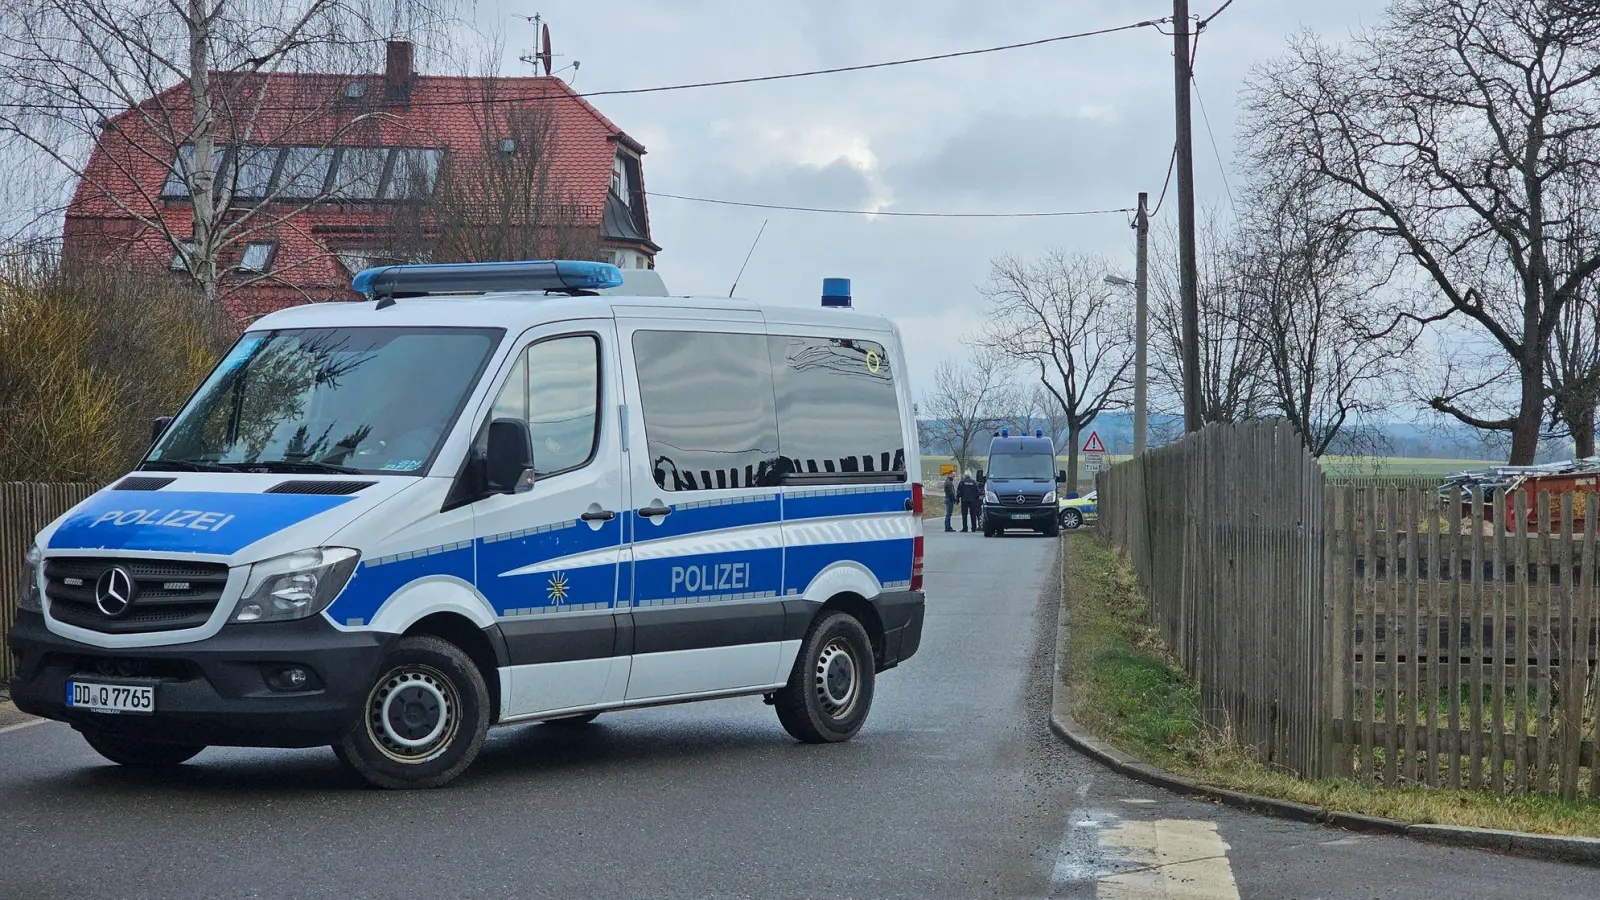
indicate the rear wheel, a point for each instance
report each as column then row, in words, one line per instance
column 138, row 754
column 1072, row 520
column 424, row 719
column 830, row 688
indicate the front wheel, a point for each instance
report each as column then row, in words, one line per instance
column 830, row 688
column 137, row 754
column 424, row 719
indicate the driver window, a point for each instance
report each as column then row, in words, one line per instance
column 555, row 388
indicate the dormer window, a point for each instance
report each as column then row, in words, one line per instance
column 619, row 178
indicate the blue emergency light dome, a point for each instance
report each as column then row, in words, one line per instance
column 1005, row 432
column 527, row 275
column 1038, row 432
column 836, row 293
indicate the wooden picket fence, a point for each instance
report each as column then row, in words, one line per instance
column 1467, row 651
column 1378, row 632
column 24, row 509
column 1225, row 530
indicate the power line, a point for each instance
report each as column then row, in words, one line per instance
column 1207, row 20
column 1172, row 162
column 1206, row 118
column 696, row 85
column 903, row 215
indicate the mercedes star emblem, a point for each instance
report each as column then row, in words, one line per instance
column 1021, row 499
column 113, row 591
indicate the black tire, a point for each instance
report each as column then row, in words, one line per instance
column 138, row 754
column 1071, row 520
column 1053, row 529
column 446, row 715
column 830, row 689
column 572, row 721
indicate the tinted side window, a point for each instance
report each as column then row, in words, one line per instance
column 555, row 387
column 838, row 412
column 708, row 410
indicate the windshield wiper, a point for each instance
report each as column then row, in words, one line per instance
column 303, row 465
column 184, row 465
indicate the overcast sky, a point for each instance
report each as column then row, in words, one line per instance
column 1083, row 124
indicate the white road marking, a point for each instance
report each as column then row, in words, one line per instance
column 1180, row 859
column 1137, row 801
column 21, row 725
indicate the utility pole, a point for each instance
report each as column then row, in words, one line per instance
column 1141, row 331
column 1188, row 274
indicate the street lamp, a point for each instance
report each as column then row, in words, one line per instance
column 1140, row 385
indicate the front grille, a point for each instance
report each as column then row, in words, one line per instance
column 169, row 596
column 1026, row 500
column 125, row 666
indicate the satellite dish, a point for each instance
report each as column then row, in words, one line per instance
column 544, row 50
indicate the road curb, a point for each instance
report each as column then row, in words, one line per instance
column 1578, row 850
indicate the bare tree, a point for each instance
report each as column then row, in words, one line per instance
column 188, row 88
column 1314, row 317
column 1450, row 123
column 1057, row 317
column 1231, row 386
column 969, row 400
column 1046, row 412
column 507, row 198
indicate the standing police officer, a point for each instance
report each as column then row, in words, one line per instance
column 969, row 502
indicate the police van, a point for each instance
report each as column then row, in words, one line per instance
column 493, row 494
column 1020, row 485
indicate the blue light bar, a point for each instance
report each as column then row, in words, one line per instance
column 1005, row 432
column 1038, row 432
column 836, row 293
column 530, row 275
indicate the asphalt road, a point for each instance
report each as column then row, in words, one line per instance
column 954, row 789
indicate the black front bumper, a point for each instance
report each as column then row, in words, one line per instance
column 212, row 692
column 1000, row 518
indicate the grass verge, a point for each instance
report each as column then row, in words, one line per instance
column 1127, row 689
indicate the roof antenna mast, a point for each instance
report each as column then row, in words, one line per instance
column 747, row 256
column 541, row 56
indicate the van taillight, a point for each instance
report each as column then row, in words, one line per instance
column 916, row 498
column 916, row 563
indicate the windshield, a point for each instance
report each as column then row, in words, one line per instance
column 329, row 399
column 1022, row 467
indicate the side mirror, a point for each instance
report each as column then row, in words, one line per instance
column 158, row 427
column 509, row 459
column 1061, row 476
column 981, row 477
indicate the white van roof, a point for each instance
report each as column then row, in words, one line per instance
column 516, row 311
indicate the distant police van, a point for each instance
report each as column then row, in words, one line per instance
column 386, row 526
column 1020, row 485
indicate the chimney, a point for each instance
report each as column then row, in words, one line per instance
column 397, row 75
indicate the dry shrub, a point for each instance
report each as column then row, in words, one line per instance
column 87, row 359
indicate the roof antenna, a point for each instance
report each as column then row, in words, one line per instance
column 747, row 256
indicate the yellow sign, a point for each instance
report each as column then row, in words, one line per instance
column 873, row 362
column 946, row 470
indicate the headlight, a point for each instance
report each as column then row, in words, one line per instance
column 1050, row 497
column 295, row 585
column 989, row 497
column 28, row 590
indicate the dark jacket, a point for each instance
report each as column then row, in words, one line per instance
column 969, row 491
column 949, row 489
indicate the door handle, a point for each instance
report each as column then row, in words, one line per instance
column 653, row 510
column 602, row 515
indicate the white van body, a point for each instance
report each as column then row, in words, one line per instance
column 633, row 573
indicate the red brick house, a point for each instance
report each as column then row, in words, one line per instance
column 333, row 173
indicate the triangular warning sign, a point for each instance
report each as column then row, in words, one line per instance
column 1093, row 445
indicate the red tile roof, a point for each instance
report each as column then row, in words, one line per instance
column 129, row 166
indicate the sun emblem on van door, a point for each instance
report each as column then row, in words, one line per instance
column 557, row 590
